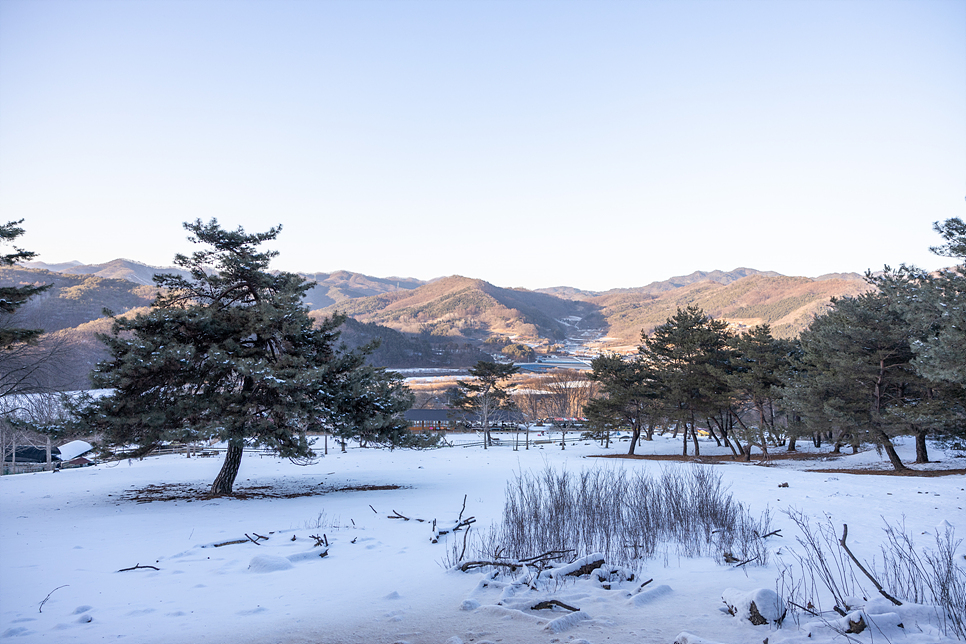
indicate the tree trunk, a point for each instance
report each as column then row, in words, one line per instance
column 229, row 470
column 921, row 455
column 724, row 436
column 712, row 433
column 890, row 450
column 634, row 436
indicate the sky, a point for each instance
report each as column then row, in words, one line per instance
column 531, row 143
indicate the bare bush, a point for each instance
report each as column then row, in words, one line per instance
column 628, row 517
column 929, row 577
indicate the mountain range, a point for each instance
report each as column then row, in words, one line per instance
column 444, row 321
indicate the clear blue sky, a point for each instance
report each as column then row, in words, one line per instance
column 592, row 144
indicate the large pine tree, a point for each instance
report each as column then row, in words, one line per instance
column 231, row 353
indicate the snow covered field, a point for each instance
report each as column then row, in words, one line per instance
column 64, row 536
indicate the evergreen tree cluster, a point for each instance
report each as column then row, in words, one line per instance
column 885, row 363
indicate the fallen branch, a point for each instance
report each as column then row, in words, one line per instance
column 845, row 533
column 137, row 567
column 319, row 541
column 41, row 609
column 512, row 565
column 255, row 541
column 551, row 603
column 462, row 524
column 372, row 508
column 260, row 536
column 396, row 515
column 231, row 543
column 773, row 533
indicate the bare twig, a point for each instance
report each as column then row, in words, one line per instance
column 462, row 510
column 41, row 609
column 137, row 567
column 372, row 508
column 807, row 610
column 845, row 534
column 231, row 543
column 747, row 561
column 550, row 554
column 465, row 535
column 396, row 515
column 255, row 541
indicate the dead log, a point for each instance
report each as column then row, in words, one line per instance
column 512, row 565
column 586, row 569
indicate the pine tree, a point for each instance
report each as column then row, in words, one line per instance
column 690, row 353
column 486, row 393
column 230, row 353
column 630, row 396
column 759, row 365
column 13, row 297
column 860, row 378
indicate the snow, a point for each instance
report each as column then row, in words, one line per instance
column 249, row 570
column 73, row 449
column 766, row 601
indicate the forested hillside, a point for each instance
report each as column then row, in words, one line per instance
column 121, row 269
column 73, row 299
column 431, row 323
column 332, row 288
column 461, row 307
column 788, row 304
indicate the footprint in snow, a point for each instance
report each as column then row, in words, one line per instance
column 253, row 611
column 81, row 609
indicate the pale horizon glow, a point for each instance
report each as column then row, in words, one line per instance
column 534, row 144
